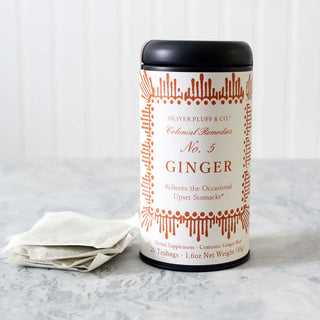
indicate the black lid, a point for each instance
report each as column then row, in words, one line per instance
column 196, row 53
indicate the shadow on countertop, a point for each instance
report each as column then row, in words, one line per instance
column 127, row 262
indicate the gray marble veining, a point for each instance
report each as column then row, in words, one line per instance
column 280, row 281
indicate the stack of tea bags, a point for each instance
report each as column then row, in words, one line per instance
column 72, row 241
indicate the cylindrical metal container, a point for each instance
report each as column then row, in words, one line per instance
column 195, row 147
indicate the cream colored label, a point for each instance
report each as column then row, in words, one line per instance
column 195, row 166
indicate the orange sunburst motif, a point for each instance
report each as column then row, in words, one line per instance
column 245, row 217
column 146, row 217
column 146, row 86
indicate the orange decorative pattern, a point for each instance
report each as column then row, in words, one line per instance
column 247, row 152
column 197, row 223
column 146, row 150
column 248, row 119
column 146, row 86
column 247, row 155
column 199, row 90
column 147, row 158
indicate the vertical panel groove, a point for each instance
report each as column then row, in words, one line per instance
column 187, row 21
column 317, row 40
column 53, row 80
column 119, row 77
column 20, row 67
column 259, row 69
column 191, row 18
column 224, row 25
column 153, row 15
column 156, row 17
column 59, row 76
column 222, row 17
column 291, row 79
column 318, row 100
column 226, row 20
column 86, row 10
column 92, row 79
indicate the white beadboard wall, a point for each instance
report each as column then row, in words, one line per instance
column 69, row 71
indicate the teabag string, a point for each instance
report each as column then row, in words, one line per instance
column 72, row 241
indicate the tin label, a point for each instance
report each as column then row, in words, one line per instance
column 195, row 166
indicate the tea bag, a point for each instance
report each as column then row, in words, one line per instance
column 71, row 241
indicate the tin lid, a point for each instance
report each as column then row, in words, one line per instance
column 203, row 54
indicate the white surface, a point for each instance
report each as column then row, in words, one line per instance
column 280, row 281
column 69, row 71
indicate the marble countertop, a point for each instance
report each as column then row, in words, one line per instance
column 280, row 281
